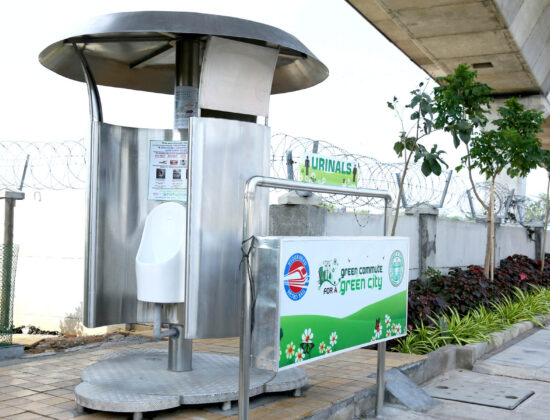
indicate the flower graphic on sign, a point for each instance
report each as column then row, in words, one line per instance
column 307, row 341
column 299, row 356
column 377, row 329
column 307, row 336
column 329, row 350
column 398, row 329
column 393, row 328
column 388, row 321
column 322, row 347
column 388, row 333
column 333, row 338
column 290, row 350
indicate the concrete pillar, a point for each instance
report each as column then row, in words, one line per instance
column 427, row 234
column 297, row 220
column 538, row 231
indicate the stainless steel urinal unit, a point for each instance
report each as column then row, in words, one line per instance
column 222, row 72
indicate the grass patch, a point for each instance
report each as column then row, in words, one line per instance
column 476, row 325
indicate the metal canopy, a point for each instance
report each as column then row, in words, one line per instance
column 134, row 50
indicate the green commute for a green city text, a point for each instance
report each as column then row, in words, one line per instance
column 353, row 279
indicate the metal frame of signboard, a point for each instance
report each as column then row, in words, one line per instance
column 248, row 230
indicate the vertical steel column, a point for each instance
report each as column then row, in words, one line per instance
column 381, row 352
column 180, row 350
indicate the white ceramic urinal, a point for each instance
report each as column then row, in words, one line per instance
column 160, row 261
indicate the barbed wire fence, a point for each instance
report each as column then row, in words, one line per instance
column 62, row 166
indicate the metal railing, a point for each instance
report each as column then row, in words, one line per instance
column 248, row 222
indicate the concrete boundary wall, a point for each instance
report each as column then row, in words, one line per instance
column 49, row 228
column 435, row 241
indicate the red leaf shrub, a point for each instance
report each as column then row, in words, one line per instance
column 466, row 289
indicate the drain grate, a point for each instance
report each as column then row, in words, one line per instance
column 472, row 390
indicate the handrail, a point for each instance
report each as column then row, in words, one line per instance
column 248, row 222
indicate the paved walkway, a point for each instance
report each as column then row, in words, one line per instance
column 520, row 369
column 42, row 387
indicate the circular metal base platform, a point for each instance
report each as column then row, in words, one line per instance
column 138, row 381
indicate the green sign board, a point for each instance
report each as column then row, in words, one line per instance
column 340, row 294
column 329, row 170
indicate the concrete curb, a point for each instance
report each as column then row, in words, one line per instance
column 437, row 362
column 464, row 357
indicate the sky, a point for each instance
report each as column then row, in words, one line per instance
column 348, row 109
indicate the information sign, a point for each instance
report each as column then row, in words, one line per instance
column 329, row 170
column 168, row 170
column 338, row 294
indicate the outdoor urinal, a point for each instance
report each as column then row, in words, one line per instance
column 160, row 260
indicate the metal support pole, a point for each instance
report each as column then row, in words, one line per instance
column 248, row 230
column 380, row 383
column 403, row 199
column 444, row 194
column 508, row 202
column 180, row 350
column 469, row 194
column 9, row 199
column 289, row 165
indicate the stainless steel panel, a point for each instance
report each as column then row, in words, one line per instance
column 117, row 208
column 224, row 154
column 134, row 49
column 265, row 313
column 236, row 77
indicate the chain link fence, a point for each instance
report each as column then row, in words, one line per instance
column 8, row 261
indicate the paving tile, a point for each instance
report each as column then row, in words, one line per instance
column 41, row 388
column 27, row 416
column 20, row 402
column 8, row 389
column 62, row 415
column 67, row 405
column 54, row 400
column 22, row 393
column 10, row 411
column 60, row 392
column 38, row 397
column 46, row 409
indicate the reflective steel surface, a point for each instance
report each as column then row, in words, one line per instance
column 134, row 50
column 223, row 155
column 117, row 208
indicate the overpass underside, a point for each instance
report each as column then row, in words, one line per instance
column 506, row 41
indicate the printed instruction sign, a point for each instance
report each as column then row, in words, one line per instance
column 340, row 294
column 186, row 105
column 329, row 170
column 168, row 170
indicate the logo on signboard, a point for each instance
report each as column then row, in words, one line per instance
column 296, row 276
column 396, row 268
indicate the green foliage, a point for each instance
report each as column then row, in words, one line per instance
column 536, row 210
column 461, row 103
column 408, row 144
column 513, row 145
column 476, row 325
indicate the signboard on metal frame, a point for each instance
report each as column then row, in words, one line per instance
column 339, row 294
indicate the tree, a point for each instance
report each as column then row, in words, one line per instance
column 512, row 147
column 409, row 146
column 462, row 104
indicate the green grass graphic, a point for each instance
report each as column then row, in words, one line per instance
column 353, row 330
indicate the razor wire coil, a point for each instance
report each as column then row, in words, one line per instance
column 62, row 166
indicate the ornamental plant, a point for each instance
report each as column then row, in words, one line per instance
column 409, row 143
column 462, row 104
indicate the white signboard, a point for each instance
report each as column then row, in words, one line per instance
column 168, row 170
column 338, row 294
